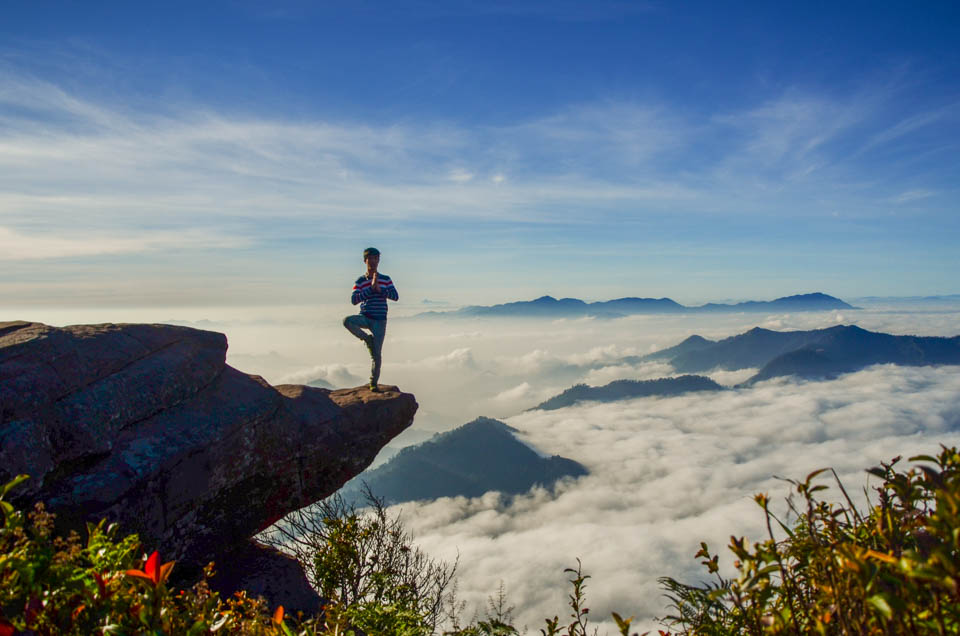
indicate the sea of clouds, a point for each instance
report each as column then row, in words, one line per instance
column 665, row 473
column 459, row 369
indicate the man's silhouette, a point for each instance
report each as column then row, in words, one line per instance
column 371, row 291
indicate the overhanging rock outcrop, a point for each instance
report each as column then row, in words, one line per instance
column 148, row 426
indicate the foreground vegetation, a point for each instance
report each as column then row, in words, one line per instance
column 892, row 568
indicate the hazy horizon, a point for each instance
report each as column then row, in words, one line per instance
column 507, row 364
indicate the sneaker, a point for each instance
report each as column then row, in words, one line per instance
column 374, row 387
column 369, row 342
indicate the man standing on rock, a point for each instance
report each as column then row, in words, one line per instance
column 372, row 291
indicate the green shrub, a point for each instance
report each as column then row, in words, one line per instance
column 375, row 582
column 104, row 585
column 891, row 569
column 364, row 562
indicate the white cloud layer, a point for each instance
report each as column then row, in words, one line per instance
column 461, row 369
column 667, row 473
column 337, row 375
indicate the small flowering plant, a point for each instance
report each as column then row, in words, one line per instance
column 55, row 585
column 153, row 573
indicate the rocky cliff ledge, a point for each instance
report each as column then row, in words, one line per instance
column 148, row 426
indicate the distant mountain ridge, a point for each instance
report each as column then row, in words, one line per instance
column 626, row 389
column 810, row 354
column 478, row 457
column 550, row 307
column 815, row 354
column 949, row 298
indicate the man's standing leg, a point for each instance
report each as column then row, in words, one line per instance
column 378, row 328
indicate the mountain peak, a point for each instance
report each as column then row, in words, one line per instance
column 486, row 423
column 816, row 298
column 626, row 389
column 847, row 329
column 810, row 296
column 815, row 353
column 478, row 457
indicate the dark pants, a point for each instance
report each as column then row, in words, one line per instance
column 378, row 330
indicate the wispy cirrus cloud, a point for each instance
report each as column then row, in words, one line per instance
column 67, row 156
column 20, row 246
column 63, row 152
column 914, row 195
column 83, row 175
column 907, row 125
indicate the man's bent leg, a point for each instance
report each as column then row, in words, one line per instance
column 378, row 328
column 356, row 324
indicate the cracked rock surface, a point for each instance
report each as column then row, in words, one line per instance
column 148, row 426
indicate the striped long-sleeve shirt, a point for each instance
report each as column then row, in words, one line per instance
column 374, row 304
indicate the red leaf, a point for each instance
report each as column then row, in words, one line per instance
column 153, row 572
column 151, row 568
column 139, row 574
column 278, row 615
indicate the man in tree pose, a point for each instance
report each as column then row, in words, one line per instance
column 372, row 291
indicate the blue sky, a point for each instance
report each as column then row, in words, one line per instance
column 184, row 153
